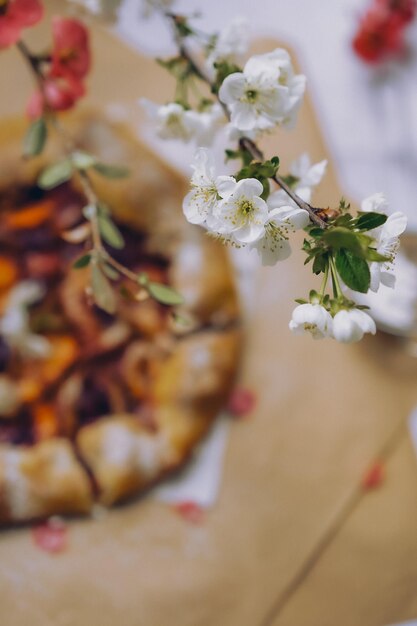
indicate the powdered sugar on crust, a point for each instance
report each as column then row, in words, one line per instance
column 34, row 479
column 123, row 448
column 17, row 487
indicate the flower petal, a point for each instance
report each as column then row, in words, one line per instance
column 395, row 225
column 232, row 88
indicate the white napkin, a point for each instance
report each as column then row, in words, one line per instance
column 199, row 481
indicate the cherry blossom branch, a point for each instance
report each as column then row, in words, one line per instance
column 246, row 143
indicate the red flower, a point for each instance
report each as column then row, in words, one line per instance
column 58, row 95
column 379, row 35
column 70, row 63
column 403, row 10
column 71, row 51
column 15, row 15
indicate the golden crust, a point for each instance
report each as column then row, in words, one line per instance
column 191, row 386
column 123, row 457
column 42, row 480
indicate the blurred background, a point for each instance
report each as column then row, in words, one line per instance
column 313, row 511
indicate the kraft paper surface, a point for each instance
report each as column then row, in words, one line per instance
column 324, row 411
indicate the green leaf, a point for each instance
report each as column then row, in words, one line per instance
column 103, row 293
column 178, row 66
column 344, row 220
column 223, row 69
column 344, row 205
column 243, row 154
column 103, row 208
column 164, row 294
column 267, row 169
column 35, row 138
column 290, row 180
column 315, row 232
column 320, row 263
column 353, row 270
column 55, row 174
column 143, row 279
column 181, row 320
column 369, row 221
column 110, row 233
column 83, row 160
column 181, row 24
column 111, row 171
column 340, row 237
column 110, row 271
column 82, row 261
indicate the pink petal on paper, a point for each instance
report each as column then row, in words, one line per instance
column 51, row 536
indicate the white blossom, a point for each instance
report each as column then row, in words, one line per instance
column 231, row 43
column 265, row 94
column 350, row 325
column 376, row 203
column 388, row 243
column 234, row 134
column 206, row 123
column 173, row 121
column 386, row 239
column 14, row 324
column 200, row 203
column 274, row 245
column 242, row 213
column 308, row 175
column 313, row 319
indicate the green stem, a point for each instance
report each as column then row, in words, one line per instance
column 337, row 290
column 324, row 283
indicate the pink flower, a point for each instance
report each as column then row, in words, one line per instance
column 70, row 63
column 373, row 477
column 241, row 402
column 59, row 95
column 15, row 15
column 71, row 50
column 190, row 511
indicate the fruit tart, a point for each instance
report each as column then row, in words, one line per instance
column 97, row 407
